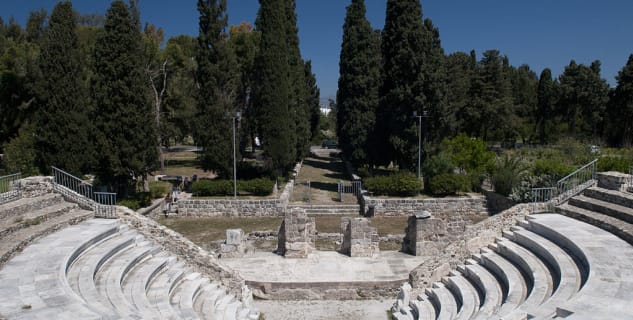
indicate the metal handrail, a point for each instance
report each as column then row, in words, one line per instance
column 577, row 181
column 630, row 180
column 543, row 195
column 10, row 187
column 103, row 203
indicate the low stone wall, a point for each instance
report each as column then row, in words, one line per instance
column 468, row 205
column 196, row 257
column 374, row 290
column 153, row 211
column 467, row 243
column 246, row 208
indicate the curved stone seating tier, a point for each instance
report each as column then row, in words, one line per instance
column 549, row 266
column 100, row 269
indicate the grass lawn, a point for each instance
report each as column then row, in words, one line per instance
column 385, row 225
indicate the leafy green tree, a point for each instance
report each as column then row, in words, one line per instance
column 546, row 101
column 63, row 128
column 273, row 86
column 524, row 84
column 20, row 152
column 245, row 42
column 218, row 79
column 124, row 117
column 359, row 80
column 468, row 154
column 619, row 128
column 461, row 70
column 583, row 98
column 35, row 25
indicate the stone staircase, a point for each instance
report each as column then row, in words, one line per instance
column 341, row 209
column 101, row 269
column 546, row 267
column 24, row 220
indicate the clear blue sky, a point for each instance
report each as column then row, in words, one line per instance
column 540, row 33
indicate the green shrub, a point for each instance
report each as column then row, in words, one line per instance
column 159, row 189
column 399, row 184
column 448, row 184
column 209, row 188
column 257, row 187
column 554, row 167
column 507, row 175
column 620, row 164
column 137, row 201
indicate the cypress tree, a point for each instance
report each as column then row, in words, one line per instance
column 218, row 78
column 63, row 126
column 545, row 105
column 620, row 109
column 411, row 59
column 124, row 118
column 272, row 91
column 313, row 100
column 298, row 93
column 359, row 79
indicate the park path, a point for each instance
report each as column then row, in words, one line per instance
column 324, row 170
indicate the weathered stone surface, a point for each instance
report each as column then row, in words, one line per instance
column 360, row 239
column 296, row 234
column 469, row 205
column 612, row 180
column 234, row 236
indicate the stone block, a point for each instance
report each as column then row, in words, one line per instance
column 234, row 236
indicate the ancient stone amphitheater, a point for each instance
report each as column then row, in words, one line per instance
column 58, row 262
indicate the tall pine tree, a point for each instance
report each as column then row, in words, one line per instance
column 359, row 80
column 62, row 122
column 218, row 78
column 124, row 115
column 274, row 114
column 313, row 100
column 620, row 109
column 546, row 100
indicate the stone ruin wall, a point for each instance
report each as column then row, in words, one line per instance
column 360, row 239
column 296, row 235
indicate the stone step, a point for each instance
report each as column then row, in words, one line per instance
column 422, row 307
column 443, row 301
column 33, row 277
column 616, row 197
column 81, row 276
column 185, row 293
column 29, row 218
column 565, row 272
column 160, row 289
column 620, row 228
column 110, row 280
column 535, row 272
column 486, row 285
column 18, row 207
column 138, row 280
column 608, row 208
column 465, row 293
column 514, row 285
column 16, row 241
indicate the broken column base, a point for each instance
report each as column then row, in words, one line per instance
column 360, row 239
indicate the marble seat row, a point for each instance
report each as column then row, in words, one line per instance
column 100, row 269
column 542, row 268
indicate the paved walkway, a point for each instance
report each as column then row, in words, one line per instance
column 324, row 309
column 324, row 266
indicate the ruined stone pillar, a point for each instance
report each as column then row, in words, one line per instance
column 360, row 239
column 422, row 235
column 235, row 245
column 296, row 234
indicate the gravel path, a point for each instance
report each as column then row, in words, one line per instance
column 323, row 309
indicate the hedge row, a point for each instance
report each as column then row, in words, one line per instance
column 209, row 188
column 400, row 184
column 448, row 184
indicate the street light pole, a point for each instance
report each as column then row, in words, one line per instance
column 423, row 115
column 233, row 119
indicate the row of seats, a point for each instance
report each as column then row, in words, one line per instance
column 547, row 266
column 100, row 269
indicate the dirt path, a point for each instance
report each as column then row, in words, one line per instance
column 324, row 309
column 324, row 170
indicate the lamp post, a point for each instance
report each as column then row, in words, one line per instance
column 235, row 117
column 423, row 115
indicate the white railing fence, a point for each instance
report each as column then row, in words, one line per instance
column 10, row 188
column 81, row 191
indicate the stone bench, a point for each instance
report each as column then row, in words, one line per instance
column 611, row 209
column 443, row 301
column 514, row 286
column 466, row 292
column 487, row 285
